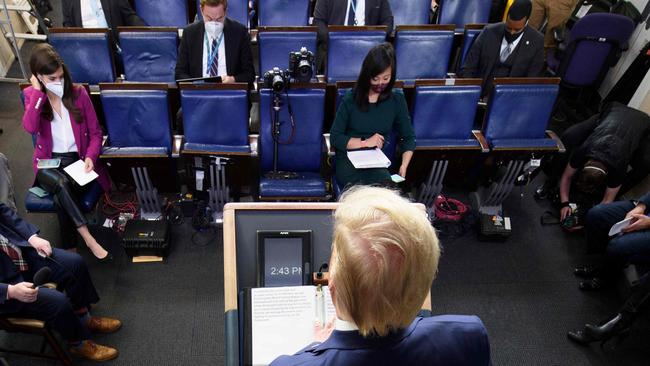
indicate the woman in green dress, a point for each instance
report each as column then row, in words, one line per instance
column 366, row 117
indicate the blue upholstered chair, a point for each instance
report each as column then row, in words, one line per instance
column 275, row 43
column 443, row 114
column 278, row 13
column 300, row 148
column 237, row 10
column 137, row 120
column 87, row 202
column 423, row 52
column 88, row 53
column 348, row 47
column 518, row 113
column 461, row 12
column 163, row 13
column 215, row 119
column 593, row 46
column 149, row 53
column 469, row 36
column 411, row 12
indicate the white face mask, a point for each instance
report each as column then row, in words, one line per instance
column 214, row 28
column 56, row 87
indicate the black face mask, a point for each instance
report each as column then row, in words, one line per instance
column 511, row 37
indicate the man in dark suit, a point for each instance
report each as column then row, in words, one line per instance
column 99, row 14
column 22, row 254
column 215, row 46
column 348, row 12
column 384, row 257
column 506, row 49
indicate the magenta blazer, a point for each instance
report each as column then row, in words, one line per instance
column 87, row 134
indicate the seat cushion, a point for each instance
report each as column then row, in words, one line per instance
column 450, row 143
column 125, row 151
column 33, row 203
column 306, row 185
column 523, row 143
column 215, row 149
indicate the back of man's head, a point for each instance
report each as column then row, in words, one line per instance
column 592, row 177
column 385, row 256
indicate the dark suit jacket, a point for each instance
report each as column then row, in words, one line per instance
column 239, row 58
column 17, row 231
column 440, row 340
column 483, row 56
column 333, row 12
column 118, row 13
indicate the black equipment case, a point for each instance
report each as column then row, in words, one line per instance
column 147, row 237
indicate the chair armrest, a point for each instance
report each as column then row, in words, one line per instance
column 485, row 148
column 177, row 145
column 328, row 143
column 560, row 146
column 253, row 143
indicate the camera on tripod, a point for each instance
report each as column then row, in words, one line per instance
column 301, row 65
column 276, row 79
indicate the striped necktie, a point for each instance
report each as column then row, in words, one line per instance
column 13, row 252
column 214, row 67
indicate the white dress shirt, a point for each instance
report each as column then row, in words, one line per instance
column 62, row 134
column 359, row 14
column 344, row 325
column 221, row 68
column 90, row 19
column 504, row 44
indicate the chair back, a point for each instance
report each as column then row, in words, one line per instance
column 279, row 13
column 519, row 110
column 443, row 111
column 423, row 52
column 163, row 13
column 215, row 117
column 469, row 36
column 348, row 46
column 302, row 152
column 595, row 41
column 275, row 43
column 88, row 53
column 461, row 12
column 411, row 12
column 137, row 118
column 149, row 54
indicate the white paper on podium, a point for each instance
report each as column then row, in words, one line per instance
column 77, row 171
column 368, row 158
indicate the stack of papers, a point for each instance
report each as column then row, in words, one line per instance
column 368, row 158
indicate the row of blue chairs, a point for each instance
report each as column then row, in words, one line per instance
column 216, row 120
column 174, row 13
column 149, row 53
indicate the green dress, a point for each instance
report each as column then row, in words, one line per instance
column 383, row 117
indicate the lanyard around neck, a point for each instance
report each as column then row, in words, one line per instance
column 215, row 51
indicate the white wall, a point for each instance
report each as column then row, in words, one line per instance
column 640, row 37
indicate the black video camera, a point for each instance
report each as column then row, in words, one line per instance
column 301, row 64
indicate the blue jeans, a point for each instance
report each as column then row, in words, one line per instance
column 623, row 248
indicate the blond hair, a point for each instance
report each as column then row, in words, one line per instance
column 215, row 3
column 385, row 258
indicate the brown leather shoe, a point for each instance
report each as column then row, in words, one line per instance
column 100, row 324
column 93, row 351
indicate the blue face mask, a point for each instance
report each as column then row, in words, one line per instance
column 379, row 88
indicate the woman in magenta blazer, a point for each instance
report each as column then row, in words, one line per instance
column 62, row 117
